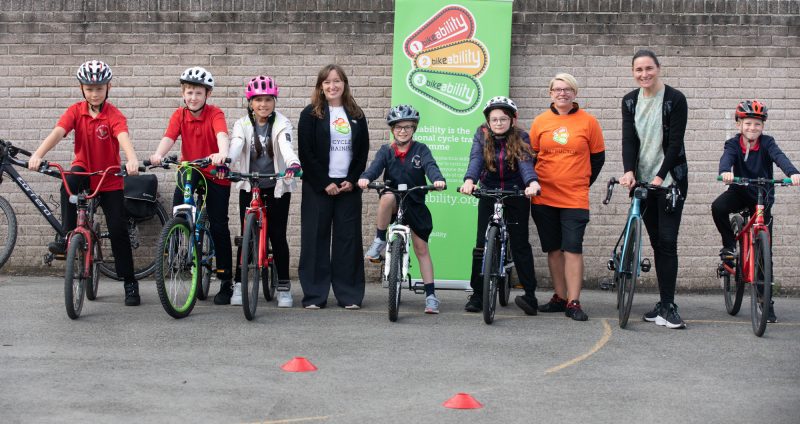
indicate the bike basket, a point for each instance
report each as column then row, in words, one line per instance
column 140, row 195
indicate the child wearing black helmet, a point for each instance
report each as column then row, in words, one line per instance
column 406, row 162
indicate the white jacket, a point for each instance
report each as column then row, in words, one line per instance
column 281, row 145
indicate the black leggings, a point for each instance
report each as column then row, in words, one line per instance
column 277, row 220
column 662, row 227
column 732, row 201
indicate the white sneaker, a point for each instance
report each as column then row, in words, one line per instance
column 284, row 299
column 236, row 299
column 375, row 251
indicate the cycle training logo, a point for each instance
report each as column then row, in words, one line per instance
column 447, row 61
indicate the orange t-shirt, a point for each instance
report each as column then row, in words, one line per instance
column 564, row 143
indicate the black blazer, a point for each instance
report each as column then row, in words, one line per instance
column 314, row 145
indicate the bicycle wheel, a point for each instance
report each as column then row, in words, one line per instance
column 491, row 269
column 733, row 285
column 8, row 230
column 206, row 256
column 176, row 262
column 74, row 276
column 505, row 284
column 630, row 271
column 761, row 289
column 143, row 233
column 250, row 269
column 93, row 282
column 395, row 275
column 269, row 281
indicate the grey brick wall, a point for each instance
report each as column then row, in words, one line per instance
column 715, row 51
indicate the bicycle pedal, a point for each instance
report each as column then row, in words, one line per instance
column 645, row 265
column 607, row 285
column 610, row 265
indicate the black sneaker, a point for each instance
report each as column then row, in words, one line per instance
column 474, row 304
column 58, row 247
column 670, row 318
column 771, row 314
column 575, row 312
column 528, row 304
column 652, row 315
column 556, row 304
column 727, row 255
column 225, row 293
column 132, row 293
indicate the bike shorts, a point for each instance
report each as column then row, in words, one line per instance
column 560, row 228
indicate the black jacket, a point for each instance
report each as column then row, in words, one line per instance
column 314, row 143
column 418, row 164
column 758, row 165
column 675, row 114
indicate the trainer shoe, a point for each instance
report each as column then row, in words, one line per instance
column 431, row 304
column 474, row 304
column 727, row 256
column 669, row 317
column 285, row 299
column 771, row 314
column 132, row 293
column 652, row 315
column 556, row 304
column 236, row 299
column 225, row 293
column 352, row 307
column 575, row 312
column 58, row 247
column 528, row 304
column 375, row 251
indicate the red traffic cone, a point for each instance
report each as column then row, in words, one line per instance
column 298, row 364
column 462, row 401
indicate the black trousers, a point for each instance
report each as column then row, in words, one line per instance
column 113, row 206
column 331, row 250
column 217, row 200
column 516, row 215
column 662, row 227
column 731, row 201
column 277, row 220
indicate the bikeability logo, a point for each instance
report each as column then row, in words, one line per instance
column 561, row 135
column 447, row 61
column 341, row 126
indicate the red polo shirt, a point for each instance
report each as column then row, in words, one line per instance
column 198, row 135
column 96, row 143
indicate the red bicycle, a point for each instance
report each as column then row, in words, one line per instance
column 84, row 251
column 752, row 263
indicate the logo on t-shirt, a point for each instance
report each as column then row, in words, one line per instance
column 416, row 162
column 341, row 126
column 102, row 132
column 561, row 136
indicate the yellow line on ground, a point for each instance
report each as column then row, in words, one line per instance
column 597, row 346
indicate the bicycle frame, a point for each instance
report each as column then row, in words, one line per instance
column 498, row 220
column 621, row 248
column 190, row 210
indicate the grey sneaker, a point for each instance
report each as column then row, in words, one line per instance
column 236, row 299
column 284, row 299
column 431, row 304
column 375, row 251
column 669, row 317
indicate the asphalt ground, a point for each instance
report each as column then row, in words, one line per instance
column 136, row 364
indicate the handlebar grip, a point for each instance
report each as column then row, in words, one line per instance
column 227, row 160
column 143, row 169
column 146, row 162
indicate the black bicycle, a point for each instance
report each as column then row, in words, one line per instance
column 143, row 232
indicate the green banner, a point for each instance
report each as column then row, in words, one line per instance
column 449, row 58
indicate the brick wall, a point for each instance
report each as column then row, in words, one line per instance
column 715, row 51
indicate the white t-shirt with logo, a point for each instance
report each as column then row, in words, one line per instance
column 341, row 153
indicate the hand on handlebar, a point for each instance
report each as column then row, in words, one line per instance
column 468, row 187
column 35, row 162
column 155, row 159
column 439, row 185
column 727, row 177
column 533, row 189
column 362, row 183
column 628, row 180
column 657, row 181
column 217, row 159
column 132, row 167
column 795, row 179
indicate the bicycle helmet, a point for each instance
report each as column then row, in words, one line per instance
column 500, row 102
column 402, row 113
column 751, row 109
column 94, row 72
column 261, row 86
column 198, row 76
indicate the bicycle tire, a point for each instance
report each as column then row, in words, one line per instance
column 733, row 285
column 8, row 238
column 269, row 281
column 74, row 278
column 491, row 269
column 93, row 282
column 176, row 265
column 206, row 268
column 251, row 272
column 505, row 285
column 146, row 233
column 761, row 289
column 630, row 271
column 395, row 272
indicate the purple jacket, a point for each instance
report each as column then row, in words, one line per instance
column 503, row 177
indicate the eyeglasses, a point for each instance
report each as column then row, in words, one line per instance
column 404, row 128
column 562, row 90
column 499, row 121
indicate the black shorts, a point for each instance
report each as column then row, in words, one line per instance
column 560, row 228
column 417, row 216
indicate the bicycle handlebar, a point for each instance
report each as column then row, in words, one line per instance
column 45, row 169
column 377, row 185
column 496, row 193
column 673, row 195
column 758, row 181
column 255, row 176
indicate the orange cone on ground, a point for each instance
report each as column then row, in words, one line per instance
column 298, row 364
column 462, row 401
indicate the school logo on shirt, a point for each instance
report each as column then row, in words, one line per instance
column 102, row 132
column 561, row 136
column 341, row 126
column 416, row 162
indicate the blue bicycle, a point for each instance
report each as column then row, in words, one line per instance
column 626, row 259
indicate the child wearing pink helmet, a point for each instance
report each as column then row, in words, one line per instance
column 262, row 142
